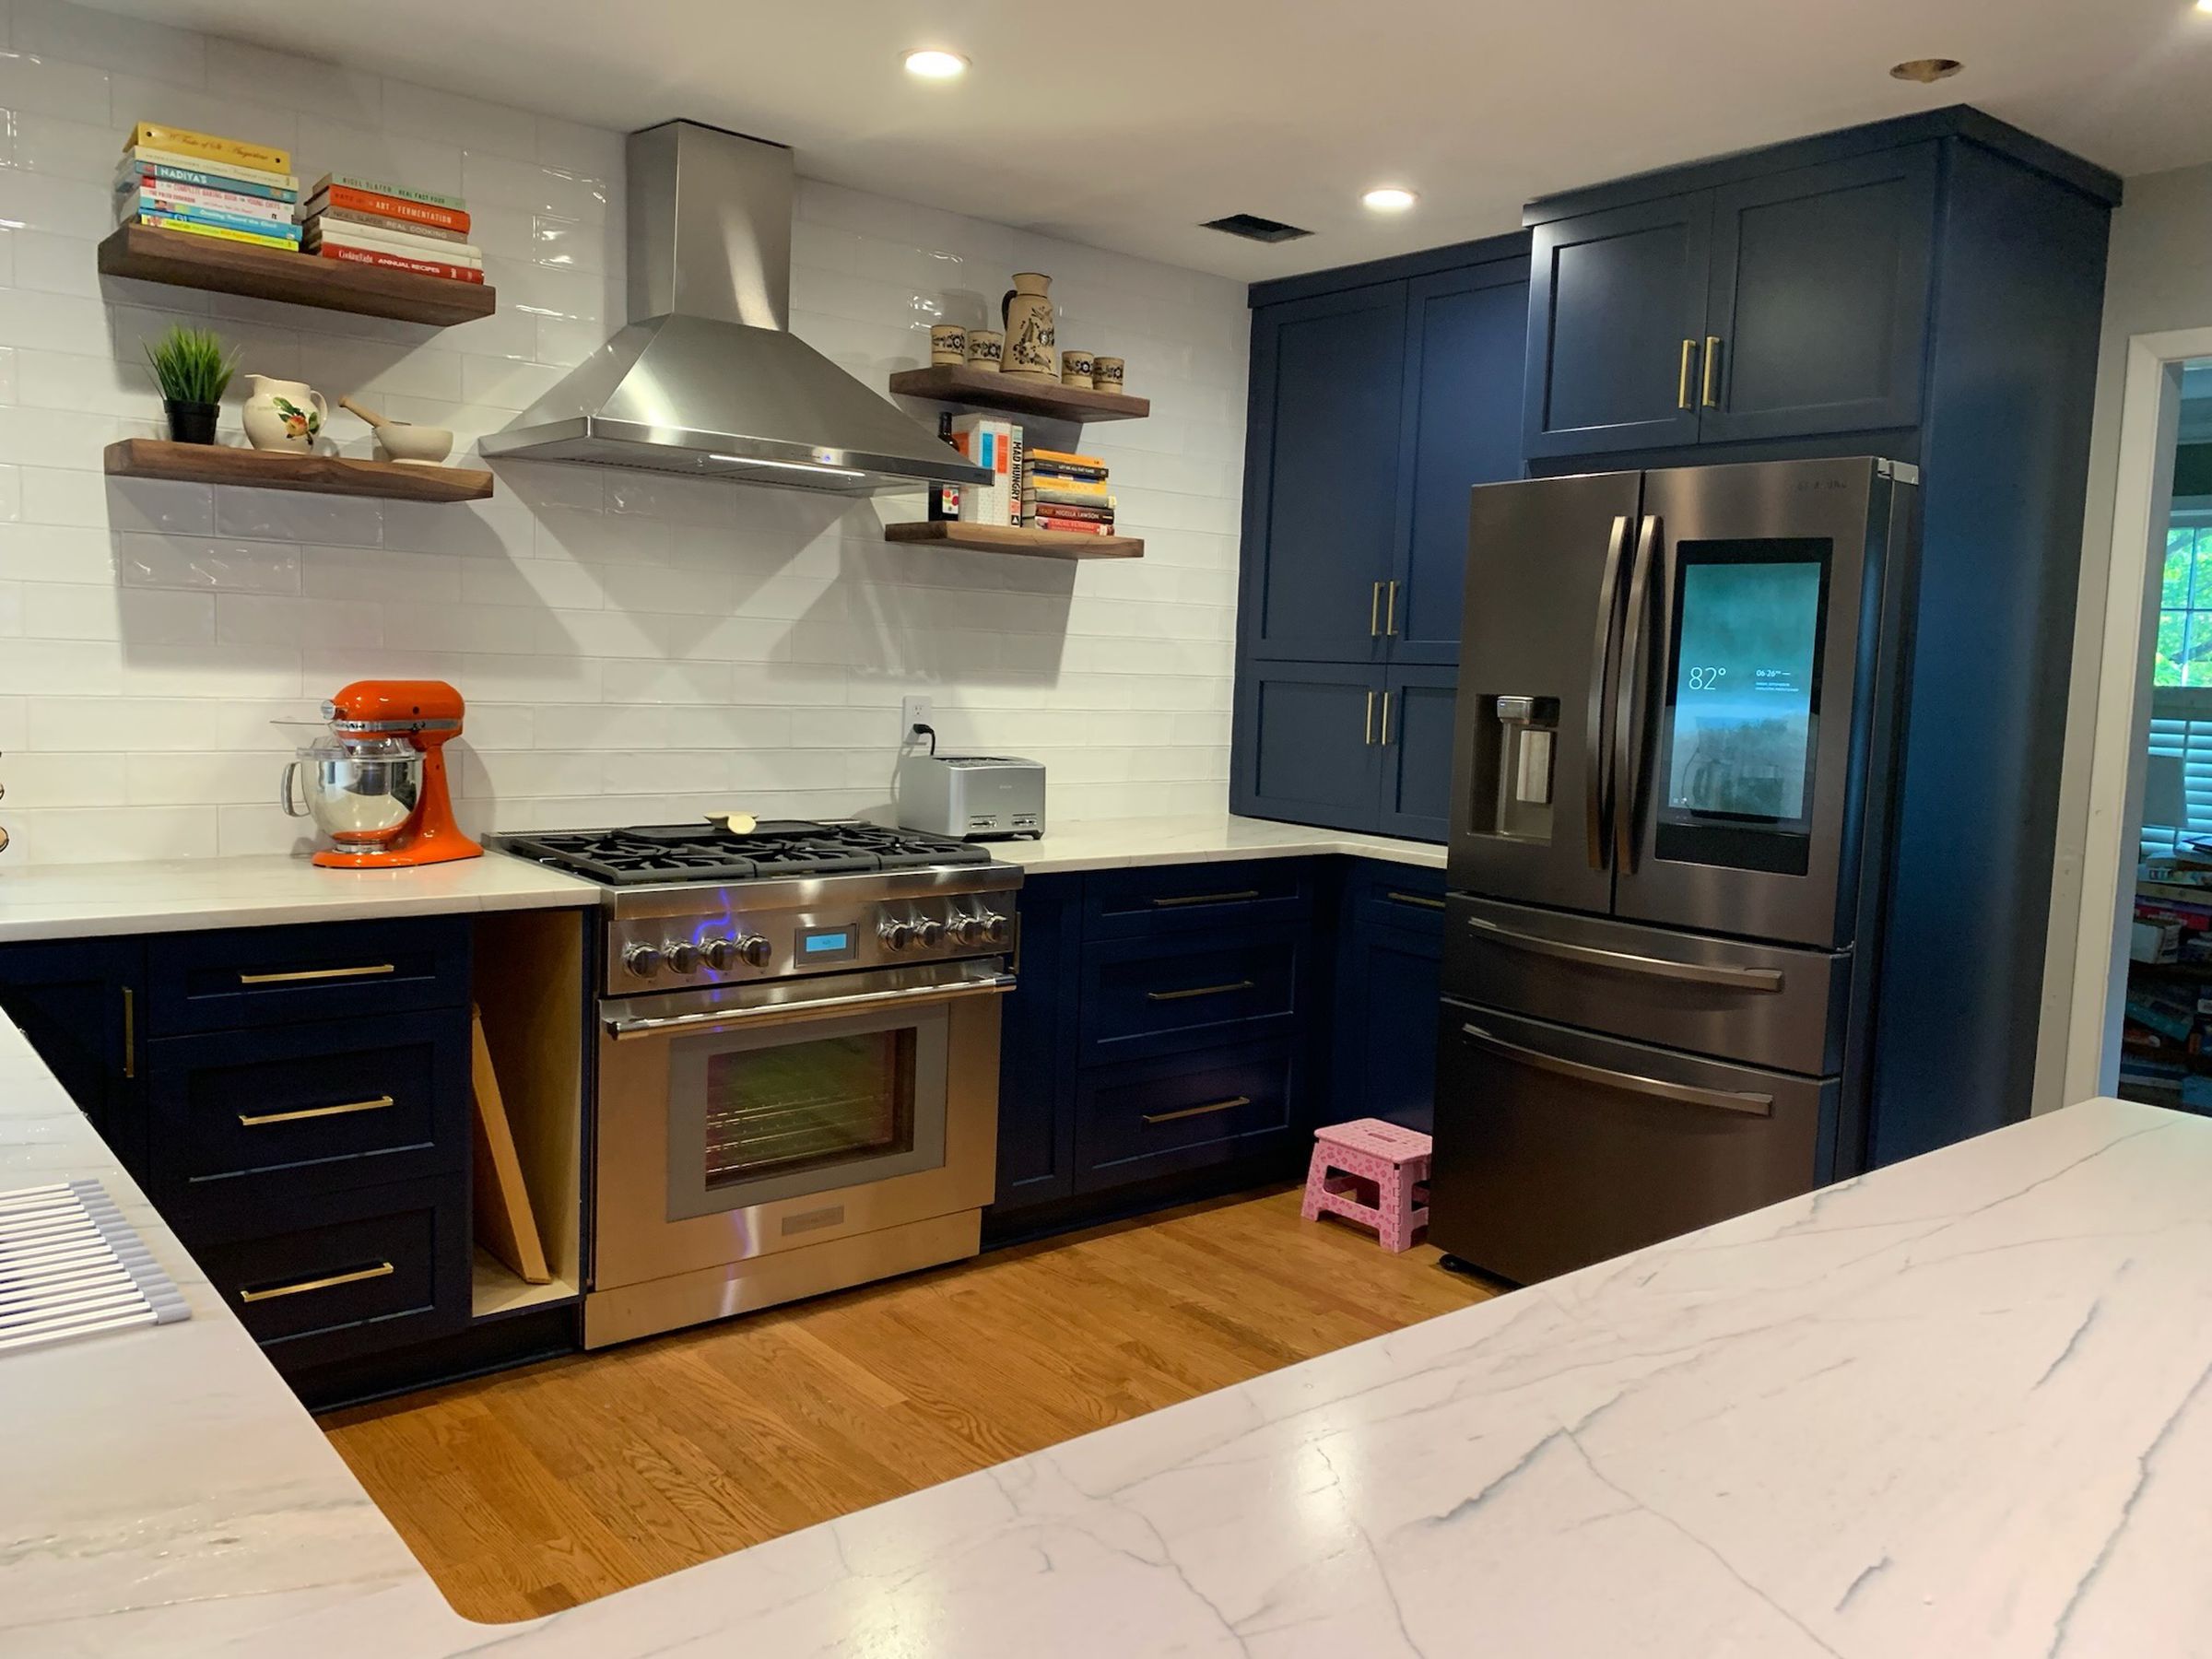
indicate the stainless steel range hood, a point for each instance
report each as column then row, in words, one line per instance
column 706, row 380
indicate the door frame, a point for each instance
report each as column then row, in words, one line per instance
column 2149, row 422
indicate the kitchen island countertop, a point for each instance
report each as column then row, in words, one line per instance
column 1959, row 1405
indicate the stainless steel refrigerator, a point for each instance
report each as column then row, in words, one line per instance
column 1680, row 713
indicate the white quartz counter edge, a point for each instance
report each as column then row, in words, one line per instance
column 1956, row 1407
column 77, row 901
column 1124, row 843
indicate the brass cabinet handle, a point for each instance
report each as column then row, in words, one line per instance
column 1368, row 736
column 1229, row 1105
column 1386, row 720
column 130, row 1032
column 1389, row 611
column 1423, row 899
column 254, row 1120
column 298, row 975
column 1374, row 607
column 1689, row 358
column 1712, row 371
column 382, row 1270
column 1201, row 991
column 1180, row 899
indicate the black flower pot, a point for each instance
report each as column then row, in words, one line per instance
column 190, row 422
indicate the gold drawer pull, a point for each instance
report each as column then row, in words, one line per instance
column 1420, row 899
column 1180, row 899
column 254, row 1120
column 1200, row 991
column 1229, row 1105
column 298, row 975
column 382, row 1270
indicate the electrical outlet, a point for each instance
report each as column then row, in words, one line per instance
column 914, row 712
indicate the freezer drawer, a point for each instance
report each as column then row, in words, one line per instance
column 1556, row 1149
column 1761, row 1004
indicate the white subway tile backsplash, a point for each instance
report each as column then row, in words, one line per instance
column 634, row 646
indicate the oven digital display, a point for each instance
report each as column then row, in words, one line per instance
column 824, row 944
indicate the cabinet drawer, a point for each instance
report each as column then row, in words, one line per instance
column 1142, row 997
column 341, row 1275
column 246, row 976
column 310, row 1107
column 1166, row 898
column 1405, row 896
column 1155, row 1117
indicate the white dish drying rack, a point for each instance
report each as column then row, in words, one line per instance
column 70, row 1267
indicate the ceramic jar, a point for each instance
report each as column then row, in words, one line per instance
column 1076, row 369
column 283, row 415
column 948, row 345
column 1026, row 311
column 983, row 348
column 1106, row 374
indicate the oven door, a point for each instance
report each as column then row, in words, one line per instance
column 736, row 1122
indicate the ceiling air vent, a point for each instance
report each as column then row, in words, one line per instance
column 1252, row 228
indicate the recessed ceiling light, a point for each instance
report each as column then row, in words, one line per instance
column 1389, row 198
column 931, row 64
column 1927, row 71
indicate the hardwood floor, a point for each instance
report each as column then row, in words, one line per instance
column 539, row 1488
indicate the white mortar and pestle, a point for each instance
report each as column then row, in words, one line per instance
column 403, row 441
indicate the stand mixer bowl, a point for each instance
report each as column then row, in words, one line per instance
column 360, row 791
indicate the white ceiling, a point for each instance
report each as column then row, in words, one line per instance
column 1124, row 124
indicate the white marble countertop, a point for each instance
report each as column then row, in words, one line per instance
column 175, row 895
column 1958, row 1406
column 1121, row 843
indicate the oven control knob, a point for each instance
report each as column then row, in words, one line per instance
column 719, row 954
column 755, row 949
column 930, row 933
column 681, row 955
column 969, row 930
column 896, row 936
column 644, row 960
column 995, row 927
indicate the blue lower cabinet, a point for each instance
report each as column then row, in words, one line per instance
column 1147, row 996
column 325, row 1276
column 236, row 1116
column 80, row 1003
column 1037, row 1035
column 1162, row 1117
column 1155, row 900
column 1388, row 962
column 242, row 976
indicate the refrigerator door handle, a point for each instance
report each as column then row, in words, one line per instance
column 1628, row 733
column 1688, row 1094
column 1700, row 973
column 1596, row 774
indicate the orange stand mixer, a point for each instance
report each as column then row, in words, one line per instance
column 376, row 786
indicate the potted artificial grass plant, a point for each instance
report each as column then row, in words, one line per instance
column 193, row 370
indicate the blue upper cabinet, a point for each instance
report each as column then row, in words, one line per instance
column 1321, row 478
column 1308, row 744
column 1465, row 331
column 1817, row 314
column 1616, row 326
column 1791, row 303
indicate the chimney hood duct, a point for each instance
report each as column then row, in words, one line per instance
column 707, row 380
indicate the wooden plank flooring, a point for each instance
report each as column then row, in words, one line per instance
column 539, row 1488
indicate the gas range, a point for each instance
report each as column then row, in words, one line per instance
column 690, row 905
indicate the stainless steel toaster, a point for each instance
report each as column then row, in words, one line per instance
column 971, row 795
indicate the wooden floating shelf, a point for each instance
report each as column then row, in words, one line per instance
column 989, row 390
column 281, row 469
column 184, row 260
column 1005, row 538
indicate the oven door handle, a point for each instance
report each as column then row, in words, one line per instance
column 622, row 1030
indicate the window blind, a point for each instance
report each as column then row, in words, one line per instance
column 2181, row 723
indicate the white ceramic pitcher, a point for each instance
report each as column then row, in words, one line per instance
column 283, row 415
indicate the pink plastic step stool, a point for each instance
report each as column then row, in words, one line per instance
column 1369, row 1151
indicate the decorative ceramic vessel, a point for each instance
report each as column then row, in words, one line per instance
column 1076, row 369
column 984, row 347
column 948, row 345
column 190, row 422
column 1026, row 311
column 1106, row 374
column 283, row 415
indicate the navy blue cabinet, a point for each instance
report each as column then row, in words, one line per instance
column 1616, row 326
column 1791, row 303
column 1388, row 960
column 80, row 1003
column 1305, row 746
column 1415, row 743
column 1321, row 471
column 1036, row 1091
column 1460, row 426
